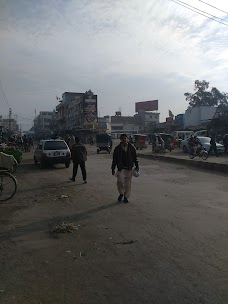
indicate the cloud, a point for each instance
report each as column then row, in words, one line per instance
column 124, row 50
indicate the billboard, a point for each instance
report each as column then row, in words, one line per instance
column 90, row 109
column 150, row 105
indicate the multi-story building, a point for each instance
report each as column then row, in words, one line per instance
column 77, row 111
column 43, row 123
column 8, row 125
column 148, row 120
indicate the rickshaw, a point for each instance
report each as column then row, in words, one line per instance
column 167, row 142
column 140, row 141
column 104, row 143
column 16, row 153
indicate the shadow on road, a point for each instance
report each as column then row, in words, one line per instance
column 44, row 224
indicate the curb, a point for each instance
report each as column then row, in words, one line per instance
column 188, row 162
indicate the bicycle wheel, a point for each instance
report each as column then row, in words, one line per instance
column 8, row 186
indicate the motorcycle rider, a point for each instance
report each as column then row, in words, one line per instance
column 197, row 145
column 191, row 144
column 160, row 144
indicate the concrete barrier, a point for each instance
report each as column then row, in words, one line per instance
column 220, row 167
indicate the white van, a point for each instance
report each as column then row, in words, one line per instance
column 182, row 134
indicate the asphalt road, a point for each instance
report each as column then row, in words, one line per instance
column 168, row 245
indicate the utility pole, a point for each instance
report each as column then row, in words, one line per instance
column 10, row 115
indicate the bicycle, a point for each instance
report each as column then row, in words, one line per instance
column 8, row 185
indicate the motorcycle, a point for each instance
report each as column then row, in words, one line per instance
column 200, row 152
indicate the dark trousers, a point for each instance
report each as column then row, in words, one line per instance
column 83, row 169
column 226, row 149
column 213, row 148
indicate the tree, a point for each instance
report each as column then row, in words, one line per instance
column 206, row 97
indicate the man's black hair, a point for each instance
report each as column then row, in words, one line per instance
column 123, row 135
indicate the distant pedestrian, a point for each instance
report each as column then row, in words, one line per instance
column 124, row 158
column 25, row 143
column 213, row 146
column 79, row 157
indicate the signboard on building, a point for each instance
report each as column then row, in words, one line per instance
column 150, row 105
column 90, row 109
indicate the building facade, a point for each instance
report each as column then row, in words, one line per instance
column 125, row 124
column 43, row 123
column 198, row 116
column 179, row 120
column 148, row 120
column 77, row 111
column 8, row 125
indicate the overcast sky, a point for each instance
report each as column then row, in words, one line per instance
column 123, row 50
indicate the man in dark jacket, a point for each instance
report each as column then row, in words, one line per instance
column 124, row 158
column 213, row 146
column 79, row 157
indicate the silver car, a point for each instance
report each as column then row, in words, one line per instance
column 50, row 152
column 205, row 141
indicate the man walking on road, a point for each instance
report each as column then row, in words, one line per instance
column 124, row 157
column 79, row 157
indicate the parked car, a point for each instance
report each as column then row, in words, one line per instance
column 205, row 141
column 52, row 152
column 203, row 133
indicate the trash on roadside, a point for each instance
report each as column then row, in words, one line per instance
column 64, row 196
column 68, row 251
column 126, row 243
column 63, row 228
column 82, row 254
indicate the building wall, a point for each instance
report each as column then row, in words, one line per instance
column 179, row 120
column 43, row 122
column 147, row 119
column 151, row 117
column 196, row 116
column 207, row 113
column 5, row 123
column 121, row 127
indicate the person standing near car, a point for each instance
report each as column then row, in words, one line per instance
column 191, row 144
column 225, row 142
column 124, row 158
column 213, row 146
column 79, row 157
column 71, row 141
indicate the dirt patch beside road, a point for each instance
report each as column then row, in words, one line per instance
column 168, row 245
